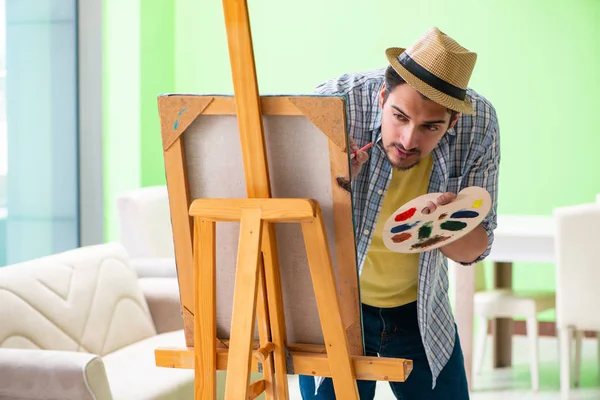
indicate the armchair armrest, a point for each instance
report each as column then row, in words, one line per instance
column 52, row 375
column 162, row 296
column 146, row 267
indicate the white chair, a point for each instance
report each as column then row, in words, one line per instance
column 577, row 276
column 145, row 230
column 509, row 303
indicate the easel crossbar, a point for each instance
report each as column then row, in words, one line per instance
column 274, row 210
column 307, row 359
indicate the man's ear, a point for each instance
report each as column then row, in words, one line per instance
column 453, row 121
column 381, row 95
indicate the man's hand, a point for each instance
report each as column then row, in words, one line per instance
column 442, row 200
column 357, row 162
column 466, row 249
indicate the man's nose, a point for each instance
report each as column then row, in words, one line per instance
column 408, row 137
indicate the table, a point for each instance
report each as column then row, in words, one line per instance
column 526, row 238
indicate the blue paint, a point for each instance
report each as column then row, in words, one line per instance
column 403, row 227
column 176, row 124
column 465, row 214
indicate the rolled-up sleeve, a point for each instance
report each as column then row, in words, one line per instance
column 484, row 173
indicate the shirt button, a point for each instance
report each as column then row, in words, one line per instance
column 366, row 231
column 380, row 192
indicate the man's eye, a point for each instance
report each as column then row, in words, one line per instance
column 431, row 128
column 400, row 117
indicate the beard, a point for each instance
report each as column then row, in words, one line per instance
column 402, row 166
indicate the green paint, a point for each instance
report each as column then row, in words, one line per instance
column 453, row 225
column 429, row 242
column 425, row 230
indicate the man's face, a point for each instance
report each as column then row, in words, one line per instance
column 411, row 126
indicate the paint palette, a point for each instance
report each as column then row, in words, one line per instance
column 408, row 230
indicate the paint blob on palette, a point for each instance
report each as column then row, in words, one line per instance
column 408, row 230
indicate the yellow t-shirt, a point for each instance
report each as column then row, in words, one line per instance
column 389, row 279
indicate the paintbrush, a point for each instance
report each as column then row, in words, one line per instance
column 366, row 147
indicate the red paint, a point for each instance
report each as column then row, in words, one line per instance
column 401, row 237
column 405, row 215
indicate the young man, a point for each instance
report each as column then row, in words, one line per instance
column 430, row 133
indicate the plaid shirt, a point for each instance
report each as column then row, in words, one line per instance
column 467, row 155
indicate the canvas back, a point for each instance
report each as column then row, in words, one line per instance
column 305, row 145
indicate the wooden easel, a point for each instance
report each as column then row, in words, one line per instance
column 334, row 359
column 257, row 281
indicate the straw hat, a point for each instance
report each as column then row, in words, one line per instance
column 438, row 67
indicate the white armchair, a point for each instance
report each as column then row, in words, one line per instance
column 145, row 230
column 80, row 325
column 577, row 276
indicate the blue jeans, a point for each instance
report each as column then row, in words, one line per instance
column 394, row 332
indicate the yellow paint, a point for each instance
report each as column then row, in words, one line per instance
column 477, row 203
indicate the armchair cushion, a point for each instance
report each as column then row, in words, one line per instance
column 145, row 380
column 162, row 295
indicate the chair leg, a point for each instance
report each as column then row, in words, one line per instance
column 565, row 335
column 577, row 367
column 481, row 339
column 532, row 334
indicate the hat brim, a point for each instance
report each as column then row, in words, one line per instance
column 462, row 106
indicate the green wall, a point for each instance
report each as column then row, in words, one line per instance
column 537, row 63
column 121, row 120
column 157, row 76
column 139, row 63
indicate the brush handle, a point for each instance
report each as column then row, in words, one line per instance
column 366, row 147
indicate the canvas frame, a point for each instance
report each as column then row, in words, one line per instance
column 179, row 111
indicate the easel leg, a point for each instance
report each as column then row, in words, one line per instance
column 205, row 333
column 244, row 305
column 276, row 313
column 239, row 40
column 264, row 331
column 319, row 260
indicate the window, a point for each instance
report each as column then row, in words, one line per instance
column 3, row 136
column 38, row 128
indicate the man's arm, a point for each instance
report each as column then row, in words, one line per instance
column 467, row 249
column 477, row 244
